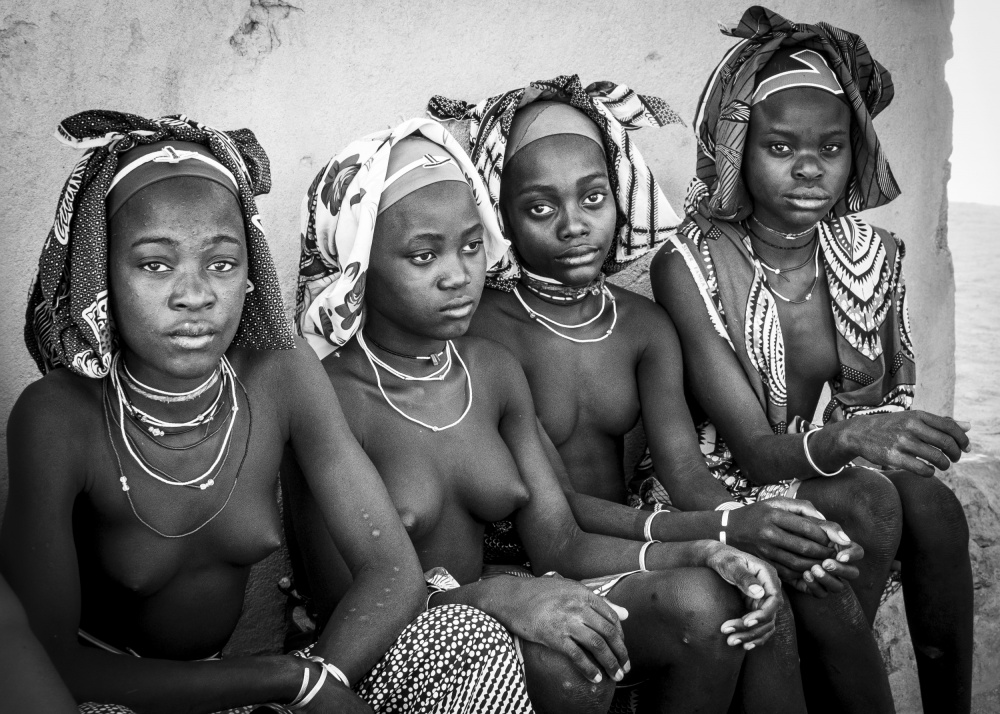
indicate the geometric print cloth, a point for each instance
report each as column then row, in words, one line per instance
column 645, row 217
column 68, row 320
column 452, row 659
column 723, row 114
column 338, row 218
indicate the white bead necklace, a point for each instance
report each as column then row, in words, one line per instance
column 374, row 362
column 436, row 376
column 160, row 395
column 545, row 321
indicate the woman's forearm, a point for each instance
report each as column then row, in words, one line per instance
column 595, row 515
column 782, row 457
column 153, row 686
column 367, row 621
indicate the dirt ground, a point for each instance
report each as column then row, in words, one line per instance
column 974, row 239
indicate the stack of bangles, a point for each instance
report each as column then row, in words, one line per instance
column 647, row 532
column 305, row 694
column 809, row 458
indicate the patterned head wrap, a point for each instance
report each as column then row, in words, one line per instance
column 68, row 322
column 339, row 213
column 645, row 218
column 724, row 112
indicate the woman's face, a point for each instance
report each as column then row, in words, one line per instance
column 428, row 263
column 558, row 208
column 178, row 276
column 797, row 158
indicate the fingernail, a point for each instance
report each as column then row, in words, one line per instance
column 818, row 571
column 844, row 536
column 598, row 678
column 807, row 576
column 756, row 591
column 843, row 557
column 750, row 623
column 968, row 449
column 619, row 676
column 733, row 641
column 728, row 630
column 749, row 646
column 628, row 666
column 964, row 425
column 829, row 564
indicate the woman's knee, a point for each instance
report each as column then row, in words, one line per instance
column 556, row 685
column 870, row 507
column 932, row 512
column 693, row 603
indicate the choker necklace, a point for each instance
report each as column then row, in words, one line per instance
column 375, row 362
column 434, row 359
column 555, row 292
column 785, row 236
column 779, row 271
column 159, row 395
column 811, row 287
column 550, row 324
column 436, row 376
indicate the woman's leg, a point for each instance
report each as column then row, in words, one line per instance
column 771, row 680
column 675, row 641
column 867, row 507
column 556, row 685
column 937, row 590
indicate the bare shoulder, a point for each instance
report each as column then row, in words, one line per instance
column 495, row 309
column 639, row 315
column 487, row 354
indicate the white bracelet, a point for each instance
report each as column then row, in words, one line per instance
column 725, row 522
column 809, row 458
column 729, row 505
column 301, row 704
column 331, row 669
column 647, row 530
column 642, row 555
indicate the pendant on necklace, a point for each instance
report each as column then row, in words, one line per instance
column 155, row 431
column 124, row 483
column 436, row 359
column 210, row 482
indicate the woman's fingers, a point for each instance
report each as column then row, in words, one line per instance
column 826, row 580
column 844, row 571
column 794, row 505
column 949, row 427
column 611, row 637
column 576, row 654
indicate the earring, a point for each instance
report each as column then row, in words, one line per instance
column 249, row 286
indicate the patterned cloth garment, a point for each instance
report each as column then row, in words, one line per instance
column 452, row 659
column 68, row 322
column 645, row 217
column 338, row 222
column 862, row 264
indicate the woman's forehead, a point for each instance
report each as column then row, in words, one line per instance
column 177, row 205
column 801, row 108
column 555, row 159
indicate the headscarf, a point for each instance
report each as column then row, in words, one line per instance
column 68, row 323
column 645, row 217
column 338, row 222
column 723, row 115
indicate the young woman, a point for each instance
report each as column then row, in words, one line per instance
column 597, row 357
column 778, row 289
column 395, row 251
column 172, row 386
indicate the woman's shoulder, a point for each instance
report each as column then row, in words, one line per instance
column 59, row 397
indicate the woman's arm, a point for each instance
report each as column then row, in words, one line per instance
column 898, row 440
column 388, row 589
column 38, row 556
column 28, row 680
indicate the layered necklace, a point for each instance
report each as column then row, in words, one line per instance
column 558, row 293
column 154, row 429
column 813, row 258
column 436, row 376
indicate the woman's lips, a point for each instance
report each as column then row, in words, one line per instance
column 808, row 202
column 193, row 337
column 459, row 308
column 581, row 255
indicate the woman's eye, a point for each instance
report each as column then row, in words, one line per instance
column 474, row 246
column 833, row 148
column 154, row 267
column 422, row 258
column 780, row 148
column 594, row 199
column 221, row 266
column 540, row 210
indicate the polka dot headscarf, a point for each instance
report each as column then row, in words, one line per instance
column 68, row 321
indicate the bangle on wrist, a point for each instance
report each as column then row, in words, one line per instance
column 817, row 469
column 729, row 506
column 303, row 699
column 647, row 529
column 331, row 669
column 725, row 523
column 642, row 555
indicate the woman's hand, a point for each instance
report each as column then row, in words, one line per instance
column 333, row 697
column 566, row 617
column 914, row 441
column 761, row 589
column 810, row 553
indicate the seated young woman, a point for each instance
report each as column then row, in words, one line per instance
column 28, row 679
column 577, row 201
column 396, row 239
column 778, row 288
column 172, row 384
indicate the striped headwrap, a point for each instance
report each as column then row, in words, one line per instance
column 723, row 115
column 68, row 323
column 645, row 217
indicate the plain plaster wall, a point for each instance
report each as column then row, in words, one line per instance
column 307, row 79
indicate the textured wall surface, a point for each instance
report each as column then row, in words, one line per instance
column 308, row 78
